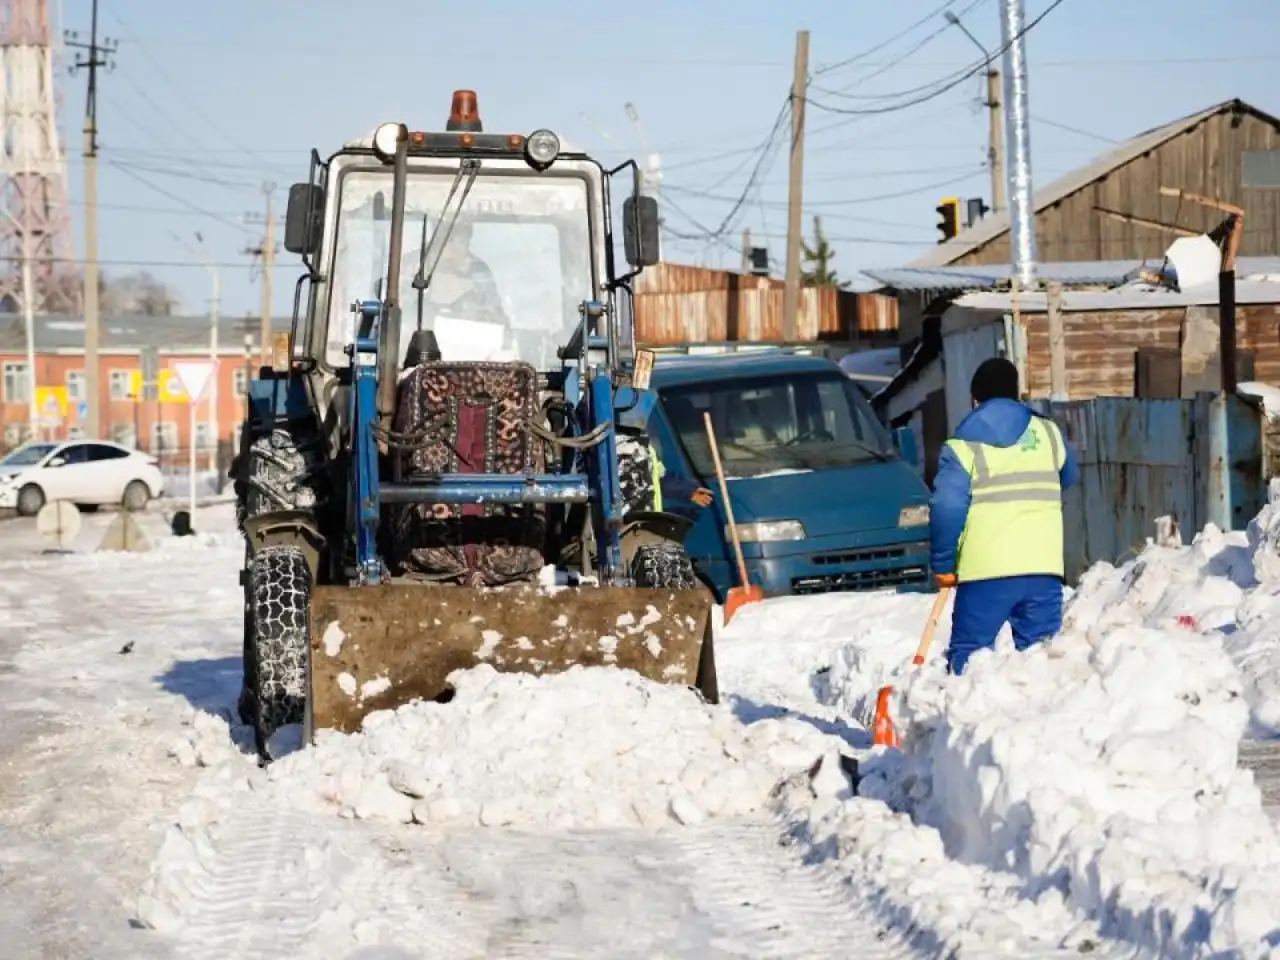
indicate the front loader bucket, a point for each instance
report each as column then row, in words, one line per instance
column 376, row 648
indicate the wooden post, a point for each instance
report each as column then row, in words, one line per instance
column 1057, row 345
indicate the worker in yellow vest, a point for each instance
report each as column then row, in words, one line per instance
column 995, row 520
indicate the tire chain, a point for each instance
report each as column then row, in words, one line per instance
column 280, row 587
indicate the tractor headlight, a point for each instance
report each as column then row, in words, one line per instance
column 917, row 516
column 768, row 531
column 386, row 138
column 542, row 148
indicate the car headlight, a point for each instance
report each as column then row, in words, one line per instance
column 769, row 531
column 917, row 516
column 542, row 148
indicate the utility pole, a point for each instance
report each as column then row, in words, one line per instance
column 96, row 56
column 746, row 251
column 267, row 251
column 795, row 193
column 995, row 135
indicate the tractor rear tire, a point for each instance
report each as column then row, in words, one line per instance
column 277, row 625
column 284, row 472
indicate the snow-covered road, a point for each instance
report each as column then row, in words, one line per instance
column 588, row 815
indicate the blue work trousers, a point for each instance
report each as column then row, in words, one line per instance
column 1031, row 605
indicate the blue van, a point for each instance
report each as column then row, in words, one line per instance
column 823, row 497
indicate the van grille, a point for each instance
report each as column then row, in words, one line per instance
column 860, row 580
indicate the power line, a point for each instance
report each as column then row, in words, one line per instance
column 1075, row 130
column 972, row 172
column 840, row 64
column 180, row 199
column 939, row 87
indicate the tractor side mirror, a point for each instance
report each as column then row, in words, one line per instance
column 304, row 221
column 640, row 233
column 905, row 438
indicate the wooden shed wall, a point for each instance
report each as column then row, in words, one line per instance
column 1101, row 346
column 1207, row 159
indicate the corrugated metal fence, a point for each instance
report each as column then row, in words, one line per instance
column 1199, row 461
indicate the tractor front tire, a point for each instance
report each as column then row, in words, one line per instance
column 277, row 628
column 284, row 471
column 663, row 566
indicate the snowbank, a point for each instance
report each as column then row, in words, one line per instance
column 1101, row 767
column 584, row 748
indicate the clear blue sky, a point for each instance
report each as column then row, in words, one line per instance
column 209, row 100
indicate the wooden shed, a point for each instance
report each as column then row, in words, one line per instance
column 1112, row 209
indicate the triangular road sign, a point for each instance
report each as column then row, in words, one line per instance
column 194, row 374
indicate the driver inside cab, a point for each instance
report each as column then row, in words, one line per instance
column 462, row 285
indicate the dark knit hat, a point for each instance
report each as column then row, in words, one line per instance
column 996, row 378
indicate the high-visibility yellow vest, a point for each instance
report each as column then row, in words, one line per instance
column 658, row 470
column 1014, row 527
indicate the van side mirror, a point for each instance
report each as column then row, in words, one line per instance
column 905, row 438
column 304, row 220
column 641, row 237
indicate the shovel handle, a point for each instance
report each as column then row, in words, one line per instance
column 926, row 638
column 724, row 496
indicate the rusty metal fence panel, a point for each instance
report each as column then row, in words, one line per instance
column 1143, row 459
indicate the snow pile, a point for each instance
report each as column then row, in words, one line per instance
column 1101, row 766
column 584, row 748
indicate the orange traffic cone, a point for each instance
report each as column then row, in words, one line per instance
column 882, row 732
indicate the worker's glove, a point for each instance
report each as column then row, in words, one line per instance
column 945, row 580
column 702, row 497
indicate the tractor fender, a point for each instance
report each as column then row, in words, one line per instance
column 642, row 527
column 286, row 528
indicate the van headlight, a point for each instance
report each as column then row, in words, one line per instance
column 768, row 531
column 917, row 516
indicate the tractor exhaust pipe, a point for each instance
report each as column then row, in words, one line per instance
column 389, row 329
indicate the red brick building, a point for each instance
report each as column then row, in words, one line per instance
column 156, row 420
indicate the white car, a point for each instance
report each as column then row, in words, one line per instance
column 85, row 472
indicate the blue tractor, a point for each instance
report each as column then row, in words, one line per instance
column 431, row 479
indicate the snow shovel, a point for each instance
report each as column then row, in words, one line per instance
column 741, row 595
column 883, row 732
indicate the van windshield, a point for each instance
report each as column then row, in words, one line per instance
column 778, row 423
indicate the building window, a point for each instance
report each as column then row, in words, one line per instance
column 164, row 437
column 75, row 433
column 121, row 384
column 241, row 379
column 204, row 435
column 17, row 383
column 15, row 435
column 125, row 435
column 77, row 386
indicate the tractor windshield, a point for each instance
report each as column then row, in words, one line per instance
column 509, row 277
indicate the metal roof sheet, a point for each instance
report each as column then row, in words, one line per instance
column 1082, row 273
column 990, row 228
column 1132, row 297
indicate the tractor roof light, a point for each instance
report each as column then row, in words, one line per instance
column 541, row 149
column 386, row 138
column 464, row 114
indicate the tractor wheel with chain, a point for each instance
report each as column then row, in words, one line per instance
column 285, row 471
column 667, row 566
column 663, row 566
column 277, row 626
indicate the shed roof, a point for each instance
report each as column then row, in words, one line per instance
column 131, row 333
column 1132, row 297
column 1084, row 273
column 983, row 232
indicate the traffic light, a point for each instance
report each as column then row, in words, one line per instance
column 949, row 218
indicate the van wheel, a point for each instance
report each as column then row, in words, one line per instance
column 30, row 500
column 136, row 496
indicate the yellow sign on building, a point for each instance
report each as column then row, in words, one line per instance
column 52, row 402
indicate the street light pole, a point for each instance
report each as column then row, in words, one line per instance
column 995, row 133
column 212, row 266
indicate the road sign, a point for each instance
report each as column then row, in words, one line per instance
column 194, row 375
column 52, row 402
column 59, row 523
column 82, row 408
column 169, row 388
